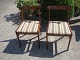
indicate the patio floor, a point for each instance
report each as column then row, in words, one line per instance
column 9, row 47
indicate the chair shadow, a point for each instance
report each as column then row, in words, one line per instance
column 13, row 48
column 43, row 52
column 76, row 28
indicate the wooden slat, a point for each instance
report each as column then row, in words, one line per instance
column 67, row 28
column 50, row 27
column 29, row 7
column 32, row 25
column 19, row 29
column 29, row 27
column 26, row 27
column 59, row 8
column 63, row 32
column 58, row 27
column 23, row 27
column 37, row 23
column 35, row 26
column 54, row 28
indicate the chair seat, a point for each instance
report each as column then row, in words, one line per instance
column 58, row 27
column 28, row 27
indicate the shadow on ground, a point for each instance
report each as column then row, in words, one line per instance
column 74, row 20
column 15, row 18
column 76, row 28
column 43, row 52
column 13, row 46
column 32, row 48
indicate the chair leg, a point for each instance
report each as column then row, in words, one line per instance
column 18, row 39
column 69, row 42
column 38, row 40
column 46, row 41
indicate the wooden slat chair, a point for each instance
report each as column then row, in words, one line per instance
column 58, row 28
column 29, row 26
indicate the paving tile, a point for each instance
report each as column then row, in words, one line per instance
column 66, row 57
column 40, row 59
column 22, row 57
column 2, row 49
column 7, row 57
column 56, row 58
column 2, row 55
column 9, row 47
column 75, row 58
column 15, row 57
column 77, row 53
column 32, row 58
column 4, row 43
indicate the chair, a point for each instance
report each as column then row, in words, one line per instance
column 29, row 26
column 58, row 28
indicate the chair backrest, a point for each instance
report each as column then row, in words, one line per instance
column 29, row 8
column 59, row 8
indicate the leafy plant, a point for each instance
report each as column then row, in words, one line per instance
column 46, row 3
column 77, row 7
column 77, row 3
column 21, row 3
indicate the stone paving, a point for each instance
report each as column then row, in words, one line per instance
column 9, row 47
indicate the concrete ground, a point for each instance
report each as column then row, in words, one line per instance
column 9, row 47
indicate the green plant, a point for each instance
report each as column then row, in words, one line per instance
column 77, row 3
column 21, row 3
column 77, row 7
column 46, row 3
